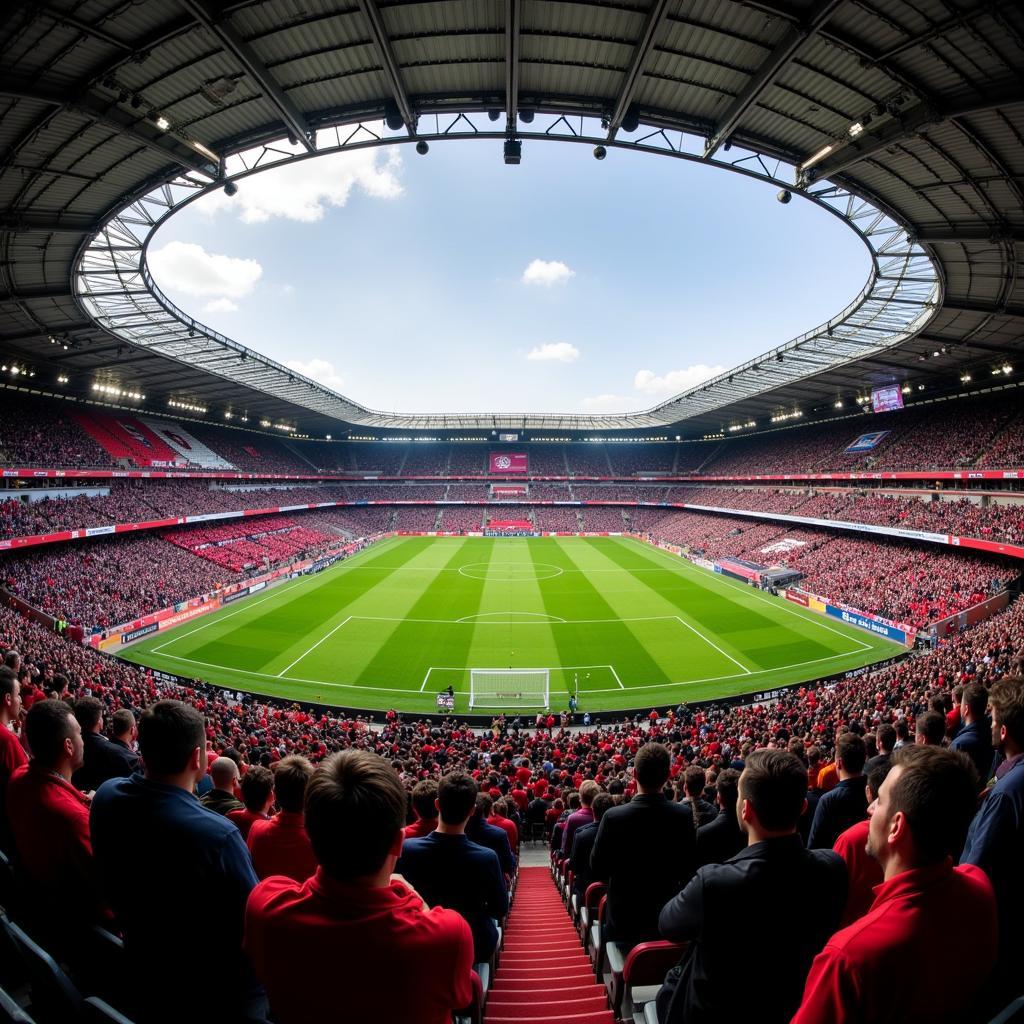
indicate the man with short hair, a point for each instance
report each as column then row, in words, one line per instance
column 761, row 883
column 863, row 871
column 12, row 753
column 123, row 759
column 257, row 795
column 451, row 871
column 645, row 850
column 50, row 821
column 499, row 817
column 584, row 816
column 170, row 869
column 280, row 845
column 694, row 783
column 354, row 931
column 974, row 737
column 224, row 775
column 899, row 962
column 930, row 728
column 483, row 833
column 885, row 740
column 845, row 804
column 583, row 844
column 995, row 842
column 723, row 837
column 424, row 805
column 92, row 772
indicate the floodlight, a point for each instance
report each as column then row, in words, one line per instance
column 230, row 188
column 422, row 148
column 513, row 151
column 784, row 196
column 600, row 152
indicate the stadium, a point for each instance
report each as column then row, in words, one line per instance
column 701, row 700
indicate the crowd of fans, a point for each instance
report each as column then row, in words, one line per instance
column 697, row 815
column 252, row 543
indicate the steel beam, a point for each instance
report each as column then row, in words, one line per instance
column 58, row 224
column 902, row 127
column 512, row 22
column 796, row 35
column 88, row 106
column 953, row 236
column 635, row 71
column 389, row 65
column 984, row 308
column 234, row 44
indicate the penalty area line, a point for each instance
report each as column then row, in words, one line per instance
column 310, row 650
column 711, row 643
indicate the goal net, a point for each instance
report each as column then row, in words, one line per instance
column 509, row 687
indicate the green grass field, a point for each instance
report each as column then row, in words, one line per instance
column 390, row 627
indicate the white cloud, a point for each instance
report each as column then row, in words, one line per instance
column 189, row 268
column 319, row 370
column 649, row 387
column 221, row 306
column 607, row 403
column 554, row 352
column 675, row 380
column 547, row 273
column 303, row 190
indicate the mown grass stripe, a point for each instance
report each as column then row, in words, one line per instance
column 411, row 646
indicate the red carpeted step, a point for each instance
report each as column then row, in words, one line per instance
column 499, row 1006
column 531, row 959
column 547, row 985
column 594, row 1017
column 530, row 994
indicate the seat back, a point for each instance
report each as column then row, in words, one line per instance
column 95, row 1011
column 54, row 995
column 648, row 963
column 11, row 1012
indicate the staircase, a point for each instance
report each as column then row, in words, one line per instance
column 544, row 976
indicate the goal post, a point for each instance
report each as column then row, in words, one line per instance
column 509, row 687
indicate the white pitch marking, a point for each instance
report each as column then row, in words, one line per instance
column 711, row 643
column 223, row 618
column 384, row 689
column 326, row 636
column 611, row 668
column 783, row 604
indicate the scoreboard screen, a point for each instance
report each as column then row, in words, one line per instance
column 887, row 399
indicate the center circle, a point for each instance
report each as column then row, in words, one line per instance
column 510, row 572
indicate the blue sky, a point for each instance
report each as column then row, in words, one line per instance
column 454, row 283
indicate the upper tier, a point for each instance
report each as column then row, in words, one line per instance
column 981, row 434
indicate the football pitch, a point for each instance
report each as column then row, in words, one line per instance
column 629, row 625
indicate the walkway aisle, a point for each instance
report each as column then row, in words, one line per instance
column 544, row 977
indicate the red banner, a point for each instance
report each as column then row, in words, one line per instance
column 509, row 462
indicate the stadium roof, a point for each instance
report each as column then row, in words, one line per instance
column 905, row 119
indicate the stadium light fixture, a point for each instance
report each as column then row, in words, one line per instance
column 513, row 151
column 162, row 123
column 839, row 403
column 906, row 389
column 1007, row 369
column 820, row 155
column 328, row 437
column 965, row 378
column 855, row 129
column 62, row 379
